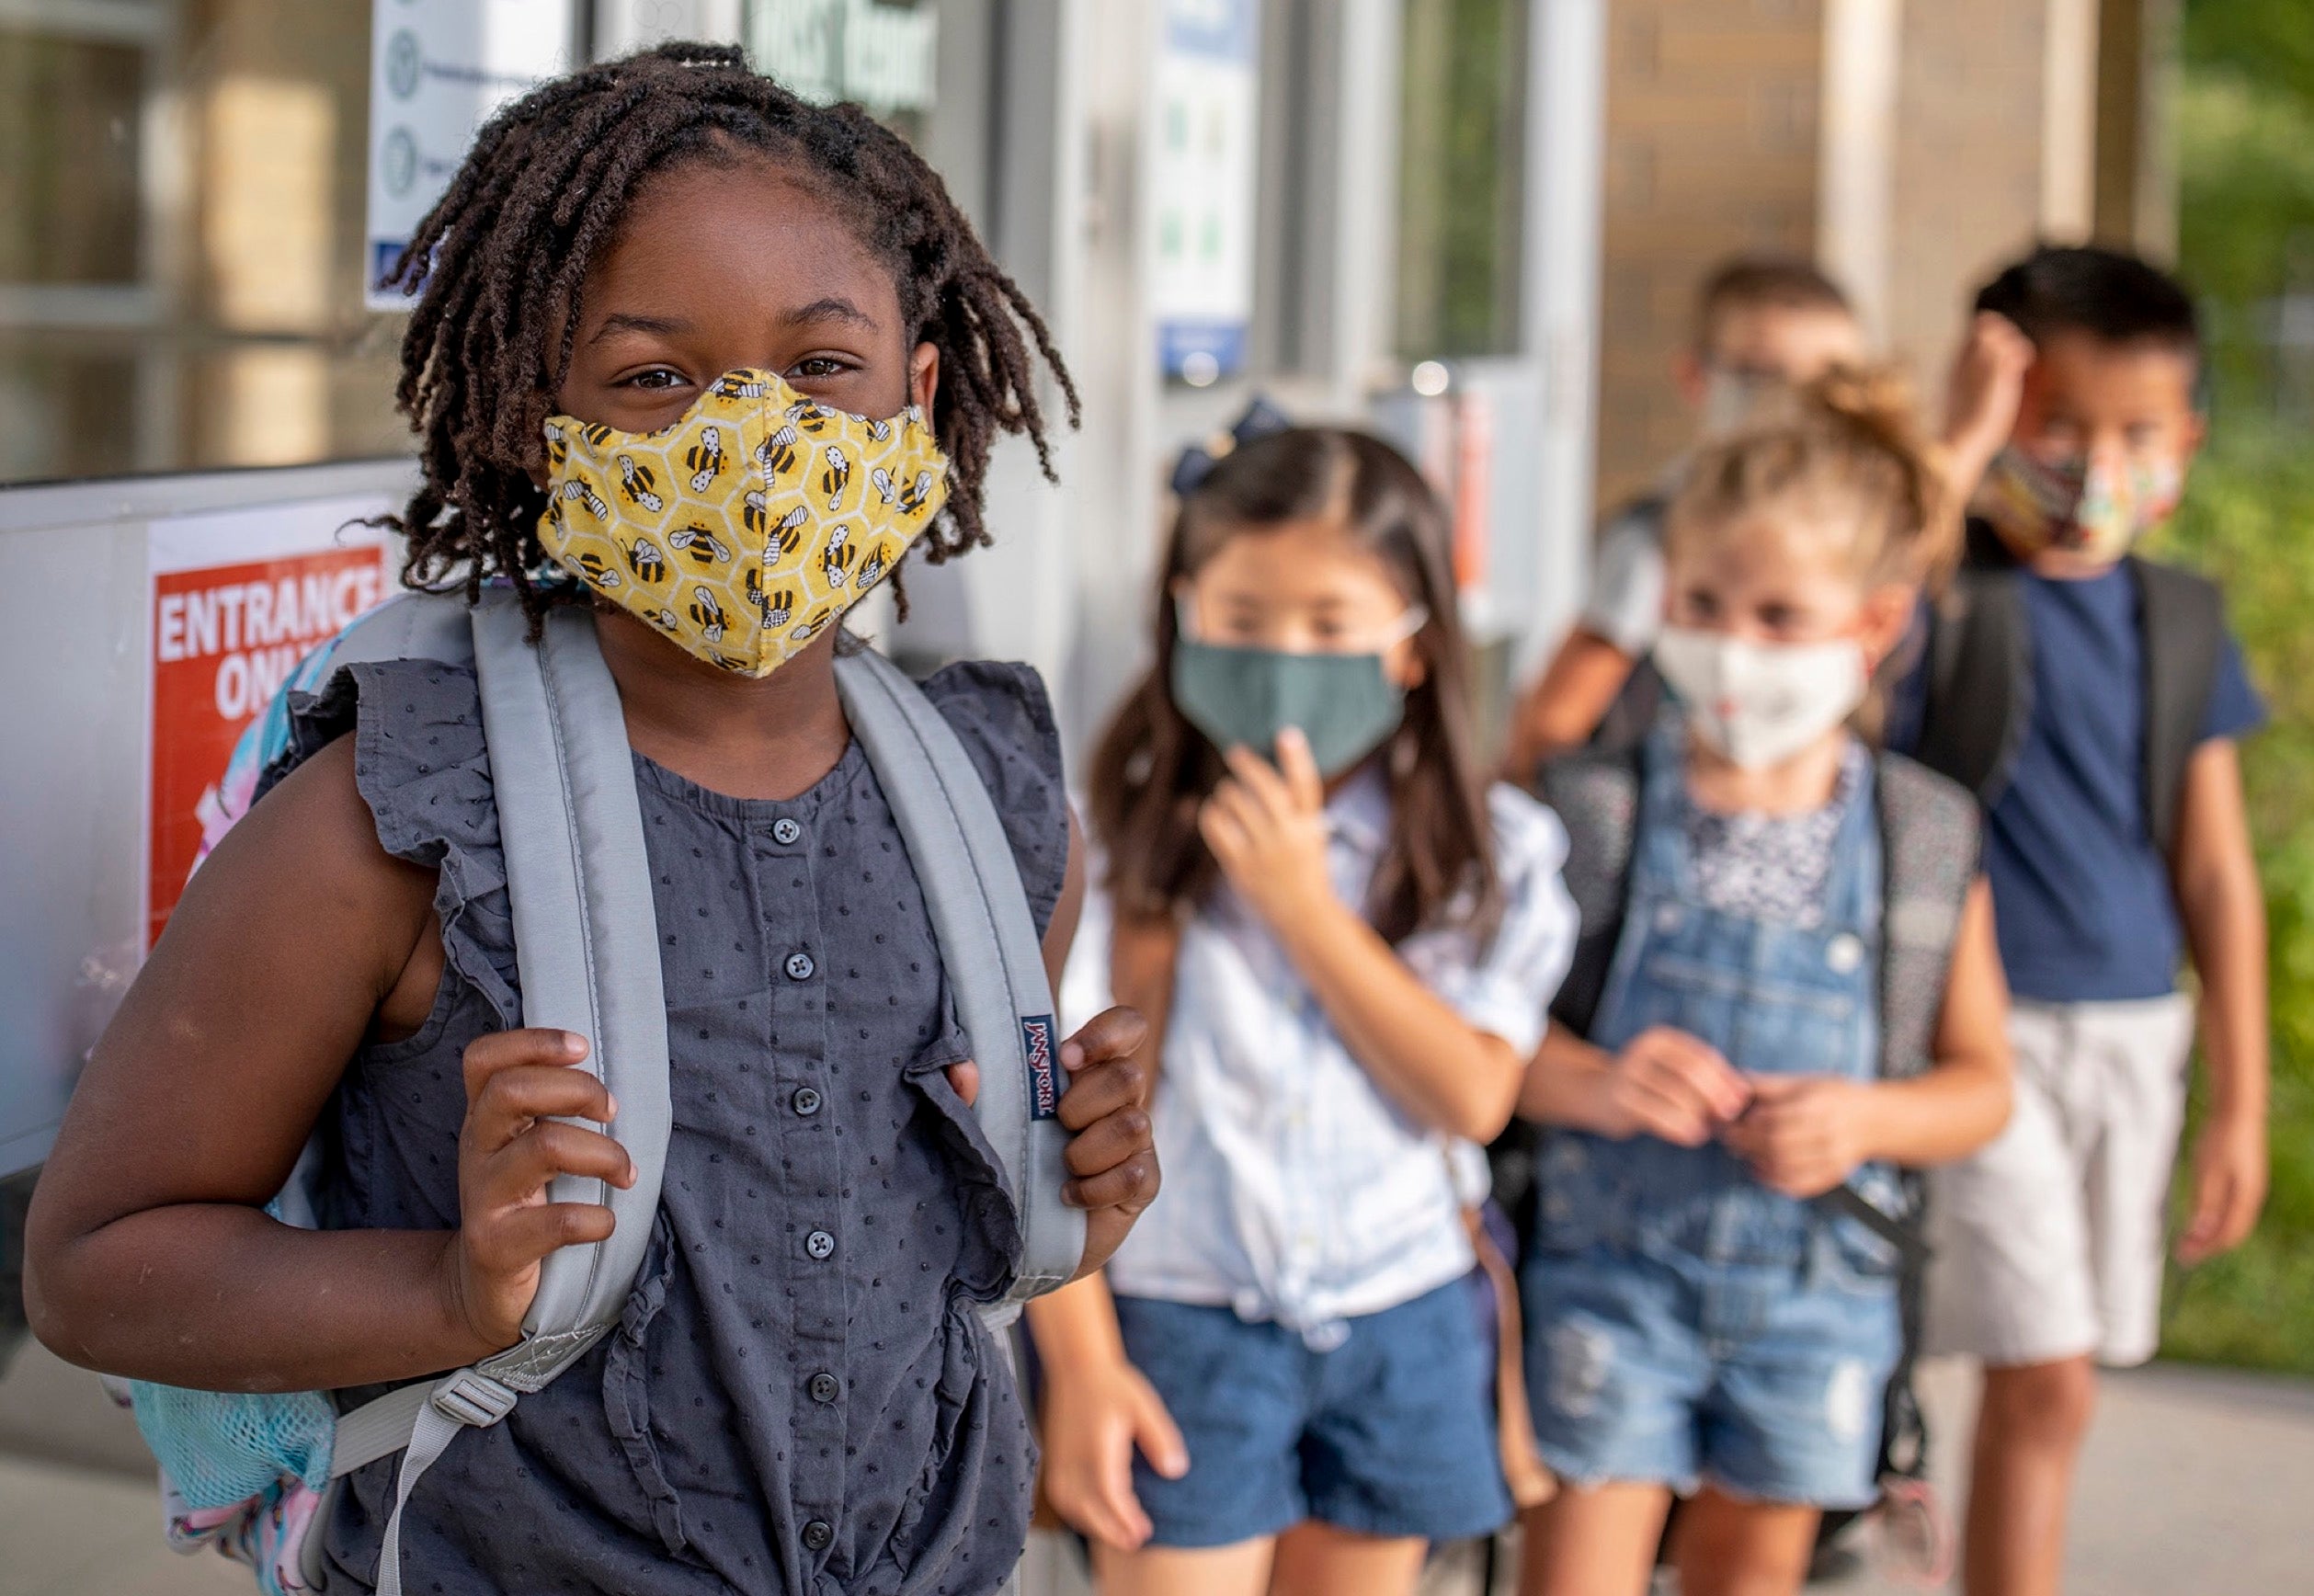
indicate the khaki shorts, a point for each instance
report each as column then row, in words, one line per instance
column 2050, row 1239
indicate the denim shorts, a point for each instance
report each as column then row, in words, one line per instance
column 1391, row 1434
column 1765, row 1380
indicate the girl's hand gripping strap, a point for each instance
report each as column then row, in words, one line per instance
column 586, row 947
column 586, row 942
column 989, row 947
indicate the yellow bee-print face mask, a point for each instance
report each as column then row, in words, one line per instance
column 747, row 528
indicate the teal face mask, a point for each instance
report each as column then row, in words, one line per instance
column 1344, row 703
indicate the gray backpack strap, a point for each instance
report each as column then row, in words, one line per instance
column 988, row 948
column 1596, row 796
column 587, row 949
column 585, row 937
column 409, row 626
column 1930, row 856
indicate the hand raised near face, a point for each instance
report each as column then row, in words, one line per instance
column 1266, row 827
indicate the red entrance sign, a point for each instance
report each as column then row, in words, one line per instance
column 225, row 639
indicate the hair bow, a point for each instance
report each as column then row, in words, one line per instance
column 1197, row 462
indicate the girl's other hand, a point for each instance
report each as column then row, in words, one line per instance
column 1266, row 825
column 1668, row 1084
column 520, row 1087
column 1111, row 1153
column 1093, row 1418
column 1803, row 1134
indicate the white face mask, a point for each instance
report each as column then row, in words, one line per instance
column 1761, row 703
column 1733, row 400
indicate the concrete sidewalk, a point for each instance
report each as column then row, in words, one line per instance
column 2196, row 1480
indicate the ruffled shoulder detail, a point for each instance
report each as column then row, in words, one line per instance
column 1002, row 715
column 421, row 764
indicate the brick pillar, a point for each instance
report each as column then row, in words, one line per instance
column 1995, row 120
column 1712, row 148
column 1967, row 175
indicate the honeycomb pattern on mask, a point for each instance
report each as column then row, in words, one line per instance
column 749, row 527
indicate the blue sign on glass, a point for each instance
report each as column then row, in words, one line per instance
column 1226, row 30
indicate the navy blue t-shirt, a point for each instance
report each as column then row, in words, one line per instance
column 2080, row 891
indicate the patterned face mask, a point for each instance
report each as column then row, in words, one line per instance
column 2097, row 507
column 747, row 528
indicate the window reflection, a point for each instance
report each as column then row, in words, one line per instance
column 1461, row 174
column 181, row 189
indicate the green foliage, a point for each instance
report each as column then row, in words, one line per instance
column 1461, row 177
column 2246, row 238
column 2244, row 522
column 2245, row 117
column 2245, row 221
column 2267, row 41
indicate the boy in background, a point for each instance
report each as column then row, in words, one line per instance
column 1760, row 323
column 1763, row 323
column 2093, row 700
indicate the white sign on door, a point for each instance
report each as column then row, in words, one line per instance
column 438, row 69
column 1203, row 171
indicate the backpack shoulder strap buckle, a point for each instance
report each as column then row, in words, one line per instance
column 472, row 1398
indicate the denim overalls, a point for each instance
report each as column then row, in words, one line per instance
column 1686, row 1323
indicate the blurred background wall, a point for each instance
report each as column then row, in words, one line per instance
column 1523, row 190
column 1906, row 147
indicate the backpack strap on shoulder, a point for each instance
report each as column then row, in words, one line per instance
column 1638, row 705
column 586, row 934
column 587, row 946
column 1929, row 858
column 1929, row 850
column 989, row 947
column 2183, row 618
column 1980, row 667
column 1596, row 797
column 409, row 626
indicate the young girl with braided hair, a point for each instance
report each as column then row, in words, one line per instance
column 1785, row 992
column 639, row 268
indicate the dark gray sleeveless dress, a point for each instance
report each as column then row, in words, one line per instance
column 800, row 1397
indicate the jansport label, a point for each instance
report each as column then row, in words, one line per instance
column 1045, row 1070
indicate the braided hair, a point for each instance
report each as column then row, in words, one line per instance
column 500, row 265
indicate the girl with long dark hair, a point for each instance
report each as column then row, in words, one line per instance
column 1345, row 940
